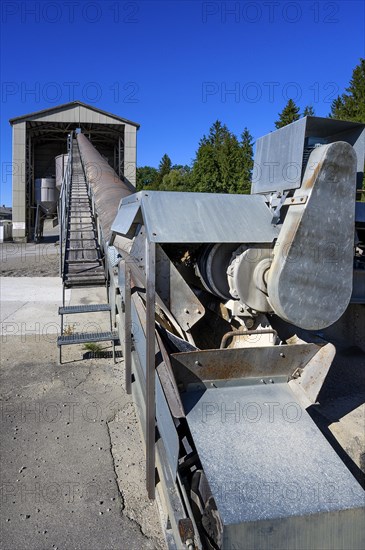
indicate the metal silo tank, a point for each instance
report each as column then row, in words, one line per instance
column 46, row 194
column 61, row 165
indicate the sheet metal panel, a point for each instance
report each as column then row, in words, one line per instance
column 310, row 279
column 126, row 220
column 279, row 155
column 266, row 462
column 278, row 159
column 231, row 364
column 165, row 422
column 174, row 217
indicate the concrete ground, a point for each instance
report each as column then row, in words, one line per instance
column 72, row 462
column 29, row 259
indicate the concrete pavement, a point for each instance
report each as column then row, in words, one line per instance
column 66, row 432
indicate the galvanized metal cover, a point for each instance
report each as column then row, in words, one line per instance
column 174, row 217
column 264, row 457
column 279, row 155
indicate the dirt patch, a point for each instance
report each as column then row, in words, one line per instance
column 29, row 260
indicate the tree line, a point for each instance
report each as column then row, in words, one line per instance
column 223, row 162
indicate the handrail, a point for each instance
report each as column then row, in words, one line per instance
column 64, row 207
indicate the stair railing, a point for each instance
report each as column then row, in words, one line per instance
column 63, row 208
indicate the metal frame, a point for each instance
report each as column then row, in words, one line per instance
column 155, row 234
column 150, row 366
column 29, row 183
column 63, row 211
column 119, row 156
column 127, row 332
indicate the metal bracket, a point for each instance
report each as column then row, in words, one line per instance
column 276, row 213
column 186, row 531
column 300, row 199
column 285, row 201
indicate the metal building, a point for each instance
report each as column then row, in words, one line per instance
column 39, row 137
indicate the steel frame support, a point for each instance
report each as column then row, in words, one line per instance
column 120, row 167
column 29, row 183
column 150, row 366
column 119, row 156
column 127, row 329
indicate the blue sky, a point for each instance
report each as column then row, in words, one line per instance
column 176, row 66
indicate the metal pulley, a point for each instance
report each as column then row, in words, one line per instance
column 231, row 271
column 246, row 276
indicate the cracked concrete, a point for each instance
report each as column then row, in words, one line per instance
column 64, row 434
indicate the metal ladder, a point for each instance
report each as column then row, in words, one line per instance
column 81, row 258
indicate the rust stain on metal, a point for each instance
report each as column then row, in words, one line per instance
column 225, row 364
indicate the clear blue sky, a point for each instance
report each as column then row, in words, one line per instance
column 170, row 65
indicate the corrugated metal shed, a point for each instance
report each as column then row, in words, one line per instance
column 40, row 136
column 74, row 111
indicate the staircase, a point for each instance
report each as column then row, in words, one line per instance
column 83, row 257
column 82, row 260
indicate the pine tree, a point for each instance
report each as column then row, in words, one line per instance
column 164, row 168
column 207, row 169
column 289, row 114
column 247, row 154
column 206, row 173
column 351, row 105
column 308, row 111
column 222, row 163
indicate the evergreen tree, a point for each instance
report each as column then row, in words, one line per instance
column 247, row 156
column 289, row 114
column 231, row 165
column 222, row 163
column 308, row 111
column 337, row 108
column 146, row 177
column 207, row 176
column 351, row 105
column 164, row 168
column 178, row 179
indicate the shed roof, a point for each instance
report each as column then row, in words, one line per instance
column 65, row 107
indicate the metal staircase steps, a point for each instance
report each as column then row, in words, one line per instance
column 84, row 260
column 83, row 266
column 89, row 308
column 78, row 249
column 80, row 227
column 85, row 337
